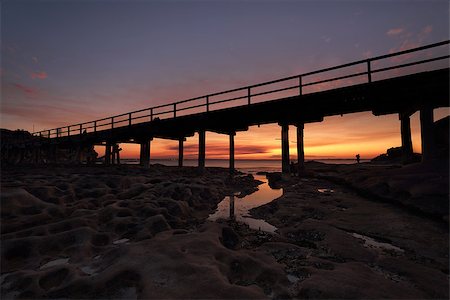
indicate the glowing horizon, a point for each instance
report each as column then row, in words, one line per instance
column 336, row 137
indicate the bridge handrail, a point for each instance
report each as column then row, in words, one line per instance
column 94, row 124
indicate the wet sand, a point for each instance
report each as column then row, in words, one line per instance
column 129, row 232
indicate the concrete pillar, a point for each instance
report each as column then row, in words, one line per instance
column 145, row 153
column 201, row 149
column 232, row 152
column 405, row 129
column 118, row 155
column 285, row 148
column 108, row 154
column 300, row 148
column 426, row 130
column 180, row 152
column 113, row 155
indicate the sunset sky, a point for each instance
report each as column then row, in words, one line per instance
column 65, row 62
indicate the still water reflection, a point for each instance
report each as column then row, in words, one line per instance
column 236, row 208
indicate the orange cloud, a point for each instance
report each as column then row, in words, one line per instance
column 411, row 41
column 395, row 31
column 38, row 75
column 25, row 89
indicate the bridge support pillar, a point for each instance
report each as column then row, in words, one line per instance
column 285, row 148
column 300, row 148
column 201, row 149
column 145, row 153
column 180, row 151
column 405, row 129
column 232, row 134
column 426, row 130
column 108, row 154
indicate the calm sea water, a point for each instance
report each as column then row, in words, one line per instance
column 248, row 166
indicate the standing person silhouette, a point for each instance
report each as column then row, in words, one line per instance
column 358, row 158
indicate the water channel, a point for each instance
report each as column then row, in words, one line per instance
column 233, row 207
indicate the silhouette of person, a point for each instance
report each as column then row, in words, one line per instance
column 116, row 153
column 357, row 158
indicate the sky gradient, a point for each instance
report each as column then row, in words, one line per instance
column 65, row 62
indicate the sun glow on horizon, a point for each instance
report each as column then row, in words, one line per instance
column 336, row 137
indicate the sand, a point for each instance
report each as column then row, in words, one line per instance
column 134, row 233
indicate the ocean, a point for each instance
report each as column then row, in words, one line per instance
column 247, row 166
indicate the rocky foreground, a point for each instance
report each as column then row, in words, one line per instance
column 128, row 232
column 364, row 231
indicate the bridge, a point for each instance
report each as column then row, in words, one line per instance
column 396, row 83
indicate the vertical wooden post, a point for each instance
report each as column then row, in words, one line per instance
column 232, row 152
column 201, row 149
column 180, row 152
column 300, row 148
column 285, row 148
column 300, row 88
column 248, row 95
column 369, row 71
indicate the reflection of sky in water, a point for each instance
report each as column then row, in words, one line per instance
column 242, row 206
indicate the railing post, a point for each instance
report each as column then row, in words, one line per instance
column 57, row 132
column 369, row 72
column 112, row 122
column 207, row 103
column 174, row 110
column 68, row 130
column 81, row 128
column 95, row 126
column 300, row 92
column 49, row 134
column 248, row 95
column 129, row 119
column 151, row 114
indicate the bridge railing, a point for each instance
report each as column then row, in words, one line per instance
column 366, row 69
